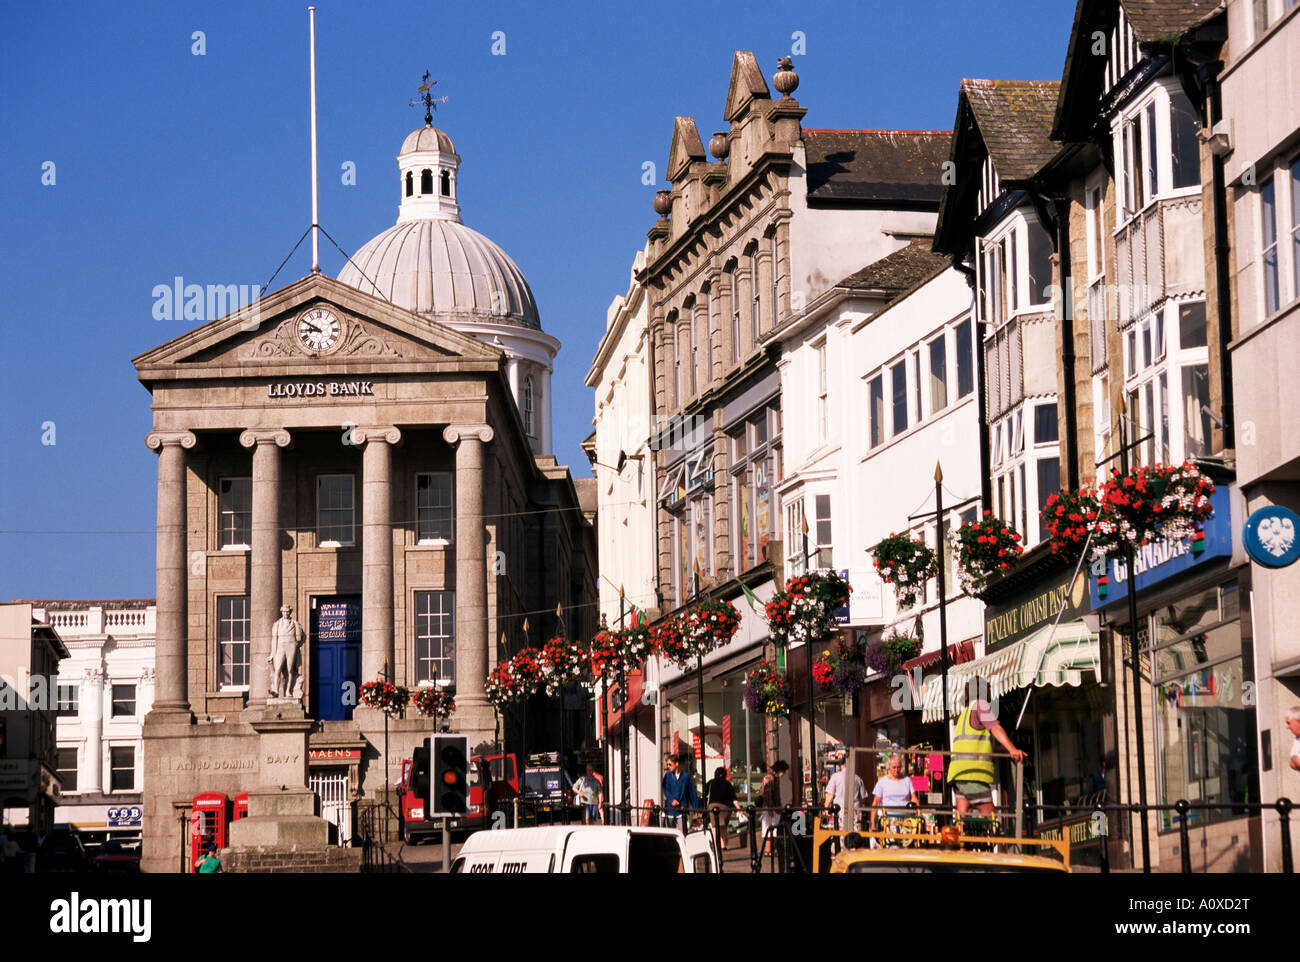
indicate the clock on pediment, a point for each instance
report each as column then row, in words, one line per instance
column 318, row 331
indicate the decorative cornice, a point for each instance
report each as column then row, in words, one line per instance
column 255, row 436
column 157, row 440
column 388, row 433
column 453, row 433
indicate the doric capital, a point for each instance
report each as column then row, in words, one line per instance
column 381, row 432
column 255, row 436
column 452, row 433
column 157, row 440
column 148, row 675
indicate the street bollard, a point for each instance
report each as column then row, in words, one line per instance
column 1181, row 807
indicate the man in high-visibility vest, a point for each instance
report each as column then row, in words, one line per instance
column 971, row 770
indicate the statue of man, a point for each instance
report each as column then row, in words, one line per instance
column 286, row 640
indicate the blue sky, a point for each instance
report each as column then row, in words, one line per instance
column 168, row 163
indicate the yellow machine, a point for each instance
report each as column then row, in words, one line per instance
column 948, row 851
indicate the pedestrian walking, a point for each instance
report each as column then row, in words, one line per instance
column 720, row 799
column 680, row 797
column 769, row 801
column 836, row 795
column 590, row 793
column 210, row 863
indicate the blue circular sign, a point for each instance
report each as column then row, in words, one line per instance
column 1272, row 536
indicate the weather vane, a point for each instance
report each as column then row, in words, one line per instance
column 428, row 99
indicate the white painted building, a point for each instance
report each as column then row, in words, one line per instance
column 105, row 688
column 624, row 469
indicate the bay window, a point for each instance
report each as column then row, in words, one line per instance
column 755, row 471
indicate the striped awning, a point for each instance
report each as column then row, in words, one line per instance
column 1047, row 657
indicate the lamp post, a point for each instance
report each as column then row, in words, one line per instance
column 699, row 679
column 623, row 735
column 388, row 765
column 811, row 748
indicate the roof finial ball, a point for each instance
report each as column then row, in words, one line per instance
column 719, row 145
column 663, row 202
column 785, row 80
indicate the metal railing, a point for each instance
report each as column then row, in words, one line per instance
column 375, row 857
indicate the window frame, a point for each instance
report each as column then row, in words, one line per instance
column 114, row 768
column 228, row 648
column 429, row 536
column 427, row 667
column 67, row 707
column 228, row 535
column 114, row 700
column 321, row 541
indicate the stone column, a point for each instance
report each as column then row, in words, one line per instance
column 377, row 550
column 471, row 565
column 92, row 723
column 171, row 657
column 265, row 582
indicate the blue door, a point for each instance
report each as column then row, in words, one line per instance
column 335, row 657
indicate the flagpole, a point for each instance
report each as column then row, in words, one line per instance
column 315, row 199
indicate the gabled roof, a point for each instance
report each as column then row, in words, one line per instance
column 1015, row 120
column 899, row 273
column 1082, row 76
column 886, row 167
column 1010, row 120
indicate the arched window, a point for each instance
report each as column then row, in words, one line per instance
column 410, row 183
column 446, row 183
column 426, row 181
column 528, row 407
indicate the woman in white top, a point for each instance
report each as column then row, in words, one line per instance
column 893, row 791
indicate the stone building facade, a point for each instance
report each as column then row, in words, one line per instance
column 370, row 462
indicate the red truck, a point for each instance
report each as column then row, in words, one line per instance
column 500, row 771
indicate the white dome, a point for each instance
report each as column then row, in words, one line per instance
column 443, row 268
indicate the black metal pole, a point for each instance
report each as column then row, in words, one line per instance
column 699, row 686
column 622, row 681
column 811, row 748
column 1135, row 649
column 943, row 607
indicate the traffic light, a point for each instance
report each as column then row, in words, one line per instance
column 450, row 789
column 420, row 780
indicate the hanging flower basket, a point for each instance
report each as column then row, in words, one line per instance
column 632, row 646
column 566, row 662
column 905, row 563
column 604, row 654
column 389, row 698
column 1067, row 517
column 984, row 547
column 767, row 691
column 517, row 678
column 1150, row 503
column 888, row 654
column 841, row 668
column 434, row 702
column 696, row 632
column 804, row 610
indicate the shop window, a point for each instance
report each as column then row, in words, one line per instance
column 335, row 511
column 67, row 703
column 66, row 768
column 123, row 701
column 121, row 768
column 233, row 648
column 433, row 508
column 435, row 637
column 1049, row 482
column 235, row 506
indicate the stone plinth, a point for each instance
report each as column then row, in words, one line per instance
column 281, row 818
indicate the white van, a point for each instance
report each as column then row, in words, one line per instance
column 600, row 849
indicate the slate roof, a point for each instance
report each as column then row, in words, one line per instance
column 899, row 273
column 1015, row 119
column 876, row 166
column 1081, row 76
column 1153, row 19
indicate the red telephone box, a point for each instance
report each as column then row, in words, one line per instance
column 241, row 807
column 209, row 821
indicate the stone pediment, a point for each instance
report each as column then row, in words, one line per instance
column 265, row 335
column 685, row 149
column 746, row 85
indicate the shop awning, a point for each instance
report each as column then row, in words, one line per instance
column 1046, row 657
